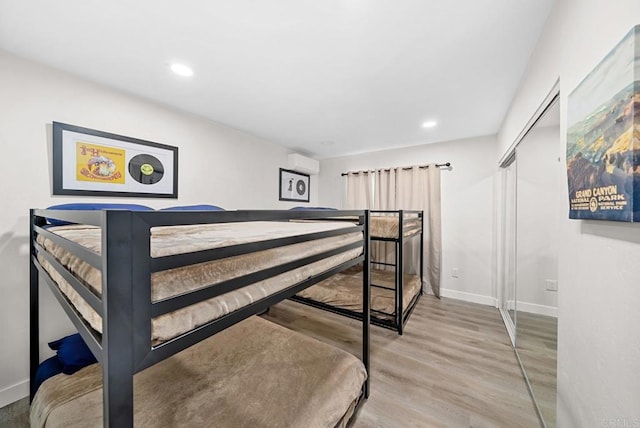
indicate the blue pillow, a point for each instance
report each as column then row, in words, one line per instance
column 78, row 206
column 193, row 208
column 48, row 368
column 312, row 208
column 73, row 354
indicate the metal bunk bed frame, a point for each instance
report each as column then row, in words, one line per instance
column 400, row 317
column 124, row 348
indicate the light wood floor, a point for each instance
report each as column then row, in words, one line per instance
column 15, row 415
column 537, row 342
column 453, row 367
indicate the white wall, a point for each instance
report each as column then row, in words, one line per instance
column 599, row 268
column 467, row 206
column 538, row 188
column 218, row 165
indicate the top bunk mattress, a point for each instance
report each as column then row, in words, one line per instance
column 385, row 226
column 170, row 240
column 253, row 374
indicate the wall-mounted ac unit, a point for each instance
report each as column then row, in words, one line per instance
column 303, row 164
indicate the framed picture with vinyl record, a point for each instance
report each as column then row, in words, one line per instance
column 87, row 162
column 294, row 186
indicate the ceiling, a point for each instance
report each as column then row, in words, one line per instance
column 322, row 77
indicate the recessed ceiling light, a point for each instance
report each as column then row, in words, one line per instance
column 181, row 69
column 429, row 124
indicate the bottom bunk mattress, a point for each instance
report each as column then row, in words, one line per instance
column 253, row 374
column 344, row 290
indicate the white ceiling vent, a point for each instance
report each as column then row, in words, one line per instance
column 303, row 164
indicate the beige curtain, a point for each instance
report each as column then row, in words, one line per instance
column 419, row 189
column 359, row 191
column 404, row 189
column 384, row 199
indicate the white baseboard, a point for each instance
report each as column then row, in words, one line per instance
column 468, row 297
column 534, row 308
column 13, row 393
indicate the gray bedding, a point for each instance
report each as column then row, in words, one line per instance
column 387, row 226
column 344, row 290
column 254, row 374
column 184, row 239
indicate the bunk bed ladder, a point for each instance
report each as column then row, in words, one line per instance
column 398, row 273
column 366, row 302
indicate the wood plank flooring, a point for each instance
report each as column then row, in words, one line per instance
column 537, row 342
column 15, row 415
column 453, row 367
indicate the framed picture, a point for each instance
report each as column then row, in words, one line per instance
column 94, row 163
column 294, row 186
column 603, row 150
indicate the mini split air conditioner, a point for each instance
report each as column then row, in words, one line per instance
column 303, row 164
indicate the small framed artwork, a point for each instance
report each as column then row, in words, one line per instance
column 294, row 186
column 87, row 162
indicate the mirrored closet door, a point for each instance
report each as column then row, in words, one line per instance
column 509, row 209
column 531, row 229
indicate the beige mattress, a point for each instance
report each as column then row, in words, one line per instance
column 184, row 239
column 387, row 226
column 253, row 374
column 344, row 290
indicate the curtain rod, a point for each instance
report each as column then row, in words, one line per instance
column 439, row 165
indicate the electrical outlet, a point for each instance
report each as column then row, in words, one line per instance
column 455, row 273
column 552, row 284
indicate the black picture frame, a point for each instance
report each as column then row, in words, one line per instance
column 294, row 186
column 88, row 162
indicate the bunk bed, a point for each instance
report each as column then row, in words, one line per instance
column 394, row 293
column 148, row 289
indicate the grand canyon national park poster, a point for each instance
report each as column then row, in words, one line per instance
column 603, row 137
